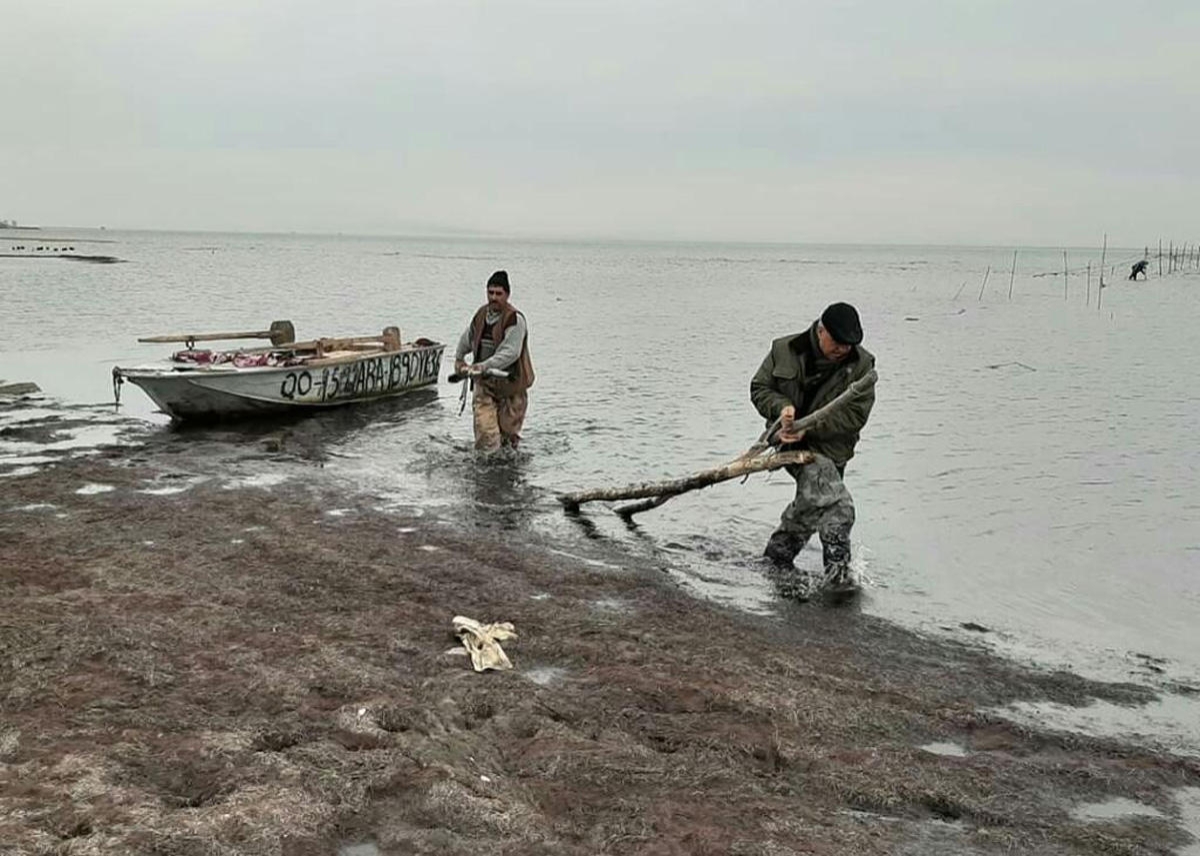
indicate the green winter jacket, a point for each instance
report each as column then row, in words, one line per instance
column 780, row 381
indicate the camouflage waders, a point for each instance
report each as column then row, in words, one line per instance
column 822, row 505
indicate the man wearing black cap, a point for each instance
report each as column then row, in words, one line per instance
column 802, row 373
column 497, row 338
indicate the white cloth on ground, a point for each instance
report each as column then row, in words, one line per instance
column 482, row 642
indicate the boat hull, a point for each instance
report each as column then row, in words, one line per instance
column 209, row 393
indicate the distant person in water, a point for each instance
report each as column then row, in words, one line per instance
column 1139, row 267
column 497, row 338
column 800, row 374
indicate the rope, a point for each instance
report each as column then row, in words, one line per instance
column 462, row 396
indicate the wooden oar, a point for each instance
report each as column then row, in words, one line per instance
column 280, row 333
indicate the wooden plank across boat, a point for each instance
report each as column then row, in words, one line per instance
column 287, row 376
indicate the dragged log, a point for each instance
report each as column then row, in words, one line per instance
column 760, row 457
column 664, row 490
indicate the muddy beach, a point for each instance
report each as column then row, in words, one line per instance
column 194, row 665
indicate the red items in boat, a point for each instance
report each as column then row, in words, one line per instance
column 202, row 358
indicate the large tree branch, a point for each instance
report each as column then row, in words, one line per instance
column 674, row 487
column 654, row 494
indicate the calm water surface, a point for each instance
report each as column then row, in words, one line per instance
column 1029, row 466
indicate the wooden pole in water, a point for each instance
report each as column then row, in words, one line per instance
column 1171, row 257
column 1160, row 256
column 1064, row 274
column 1012, row 274
column 1103, row 254
column 985, row 279
column 1087, row 300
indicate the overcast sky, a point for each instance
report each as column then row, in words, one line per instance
column 970, row 121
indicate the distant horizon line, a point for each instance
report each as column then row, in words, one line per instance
column 419, row 234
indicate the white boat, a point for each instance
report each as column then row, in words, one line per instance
column 286, row 377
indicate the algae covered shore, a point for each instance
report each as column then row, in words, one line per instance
column 194, row 666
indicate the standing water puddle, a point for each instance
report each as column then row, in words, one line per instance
column 366, row 848
column 1188, row 800
column 951, row 750
column 545, row 675
column 1115, row 808
column 1171, row 723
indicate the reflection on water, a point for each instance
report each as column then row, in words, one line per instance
column 498, row 489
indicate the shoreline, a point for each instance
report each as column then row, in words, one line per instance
column 206, row 665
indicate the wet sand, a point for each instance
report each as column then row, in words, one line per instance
column 202, row 666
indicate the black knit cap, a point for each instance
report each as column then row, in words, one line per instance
column 500, row 278
column 841, row 322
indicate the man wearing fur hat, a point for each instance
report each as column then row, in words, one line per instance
column 802, row 373
column 497, row 338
